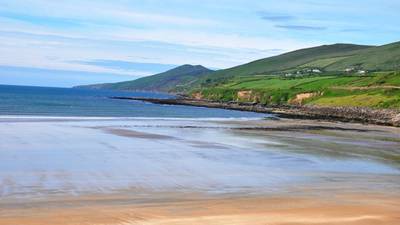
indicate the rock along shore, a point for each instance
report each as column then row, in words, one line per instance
column 386, row 117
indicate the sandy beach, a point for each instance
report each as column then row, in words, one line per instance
column 183, row 112
column 123, row 171
column 353, row 210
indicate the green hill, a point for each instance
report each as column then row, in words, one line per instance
column 328, row 59
column 174, row 79
column 287, row 62
column 377, row 90
column 332, row 75
column 381, row 58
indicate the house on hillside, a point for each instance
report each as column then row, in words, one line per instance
column 316, row 71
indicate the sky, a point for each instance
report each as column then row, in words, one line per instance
column 71, row 42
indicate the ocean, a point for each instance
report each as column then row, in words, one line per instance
column 72, row 102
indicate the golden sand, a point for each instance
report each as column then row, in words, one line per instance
column 349, row 210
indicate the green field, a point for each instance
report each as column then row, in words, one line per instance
column 377, row 90
column 322, row 63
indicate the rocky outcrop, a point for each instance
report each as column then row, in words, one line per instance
column 197, row 95
column 244, row 95
column 300, row 98
column 347, row 114
column 247, row 96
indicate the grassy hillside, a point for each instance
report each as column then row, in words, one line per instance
column 175, row 79
column 329, row 75
column 382, row 58
column 327, row 59
column 377, row 90
column 332, row 75
column 285, row 63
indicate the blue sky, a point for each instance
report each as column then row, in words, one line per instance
column 70, row 42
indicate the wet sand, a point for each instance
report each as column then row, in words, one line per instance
column 350, row 210
column 243, row 172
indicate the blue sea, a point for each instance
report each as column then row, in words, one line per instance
column 45, row 101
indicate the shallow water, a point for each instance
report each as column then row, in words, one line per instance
column 44, row 157
column 67, row 102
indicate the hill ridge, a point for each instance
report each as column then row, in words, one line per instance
column 161, row 82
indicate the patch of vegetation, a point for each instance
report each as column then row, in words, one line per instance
column 378, row 90
column 322, row 63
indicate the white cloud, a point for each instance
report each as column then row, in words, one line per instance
column 178, row 40
column 52, row 55
column 99, row 11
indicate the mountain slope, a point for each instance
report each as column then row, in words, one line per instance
column 174, row 79
column 366, row 77
column 287, row 61
column 381, row 58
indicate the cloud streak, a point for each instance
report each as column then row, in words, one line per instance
column 352, row 30
column 117, row 13
column 275, row 17
column 301, row 27
column 129, row 66
column 57, row 78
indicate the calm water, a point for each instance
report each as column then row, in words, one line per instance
column 43, row 101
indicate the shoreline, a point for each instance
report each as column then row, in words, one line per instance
column 387, row 117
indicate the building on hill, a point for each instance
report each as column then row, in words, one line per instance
column 316, row 71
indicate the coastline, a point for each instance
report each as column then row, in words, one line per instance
column 387, row 117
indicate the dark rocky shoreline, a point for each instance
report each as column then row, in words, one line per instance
column 343, row 114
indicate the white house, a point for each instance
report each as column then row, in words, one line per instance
column 316, row 71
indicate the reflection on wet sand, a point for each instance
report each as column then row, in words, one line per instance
column 137, row 171
column 135, row 134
